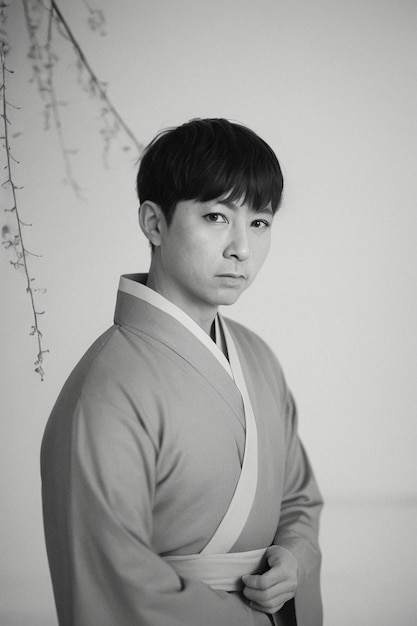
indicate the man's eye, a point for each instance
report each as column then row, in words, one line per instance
column 261, row 224
column 216, row 218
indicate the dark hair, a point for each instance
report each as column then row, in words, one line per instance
column 209, row 159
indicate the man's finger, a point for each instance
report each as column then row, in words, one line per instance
column 269, row 592
column 263, row 581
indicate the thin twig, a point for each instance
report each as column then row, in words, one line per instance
column 101, row 91
column 18, row 243
column 46, row 87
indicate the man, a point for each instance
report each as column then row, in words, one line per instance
column 175, row 488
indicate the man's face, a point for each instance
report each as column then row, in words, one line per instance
column 210, row 253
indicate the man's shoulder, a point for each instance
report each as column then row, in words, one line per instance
column 92, row 360
column 119, row 369
column 112, row 354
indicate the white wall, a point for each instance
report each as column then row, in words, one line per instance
column 331, row 86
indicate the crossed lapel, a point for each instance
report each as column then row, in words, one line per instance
column 143, row 318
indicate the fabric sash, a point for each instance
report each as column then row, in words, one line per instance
column 220, row 571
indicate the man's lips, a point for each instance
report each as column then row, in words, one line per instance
column 232, row 275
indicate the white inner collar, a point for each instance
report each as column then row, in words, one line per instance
column 134, row 285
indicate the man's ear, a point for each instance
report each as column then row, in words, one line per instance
column 151, row 221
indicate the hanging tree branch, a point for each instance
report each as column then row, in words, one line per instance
column 16, row 241
column 44, row 62
column 93, row 78
column 42, row 53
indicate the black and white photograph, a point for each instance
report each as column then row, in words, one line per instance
column 208, row 313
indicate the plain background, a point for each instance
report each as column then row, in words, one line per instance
column 331, row 85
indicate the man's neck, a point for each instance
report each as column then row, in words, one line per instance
column 203, row 317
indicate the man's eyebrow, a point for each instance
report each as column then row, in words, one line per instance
column 234, row 207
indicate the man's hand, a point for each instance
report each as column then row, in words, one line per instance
column 268, row 592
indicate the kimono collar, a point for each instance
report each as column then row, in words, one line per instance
column 135, row 285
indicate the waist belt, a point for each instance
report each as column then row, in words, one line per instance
column 219, row 571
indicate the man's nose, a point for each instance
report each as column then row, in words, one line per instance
column 238, row 246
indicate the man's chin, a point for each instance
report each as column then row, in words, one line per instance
column 230, row 298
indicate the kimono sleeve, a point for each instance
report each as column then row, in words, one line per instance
column 98, row 470
column 301, row 502
column 299, row 523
